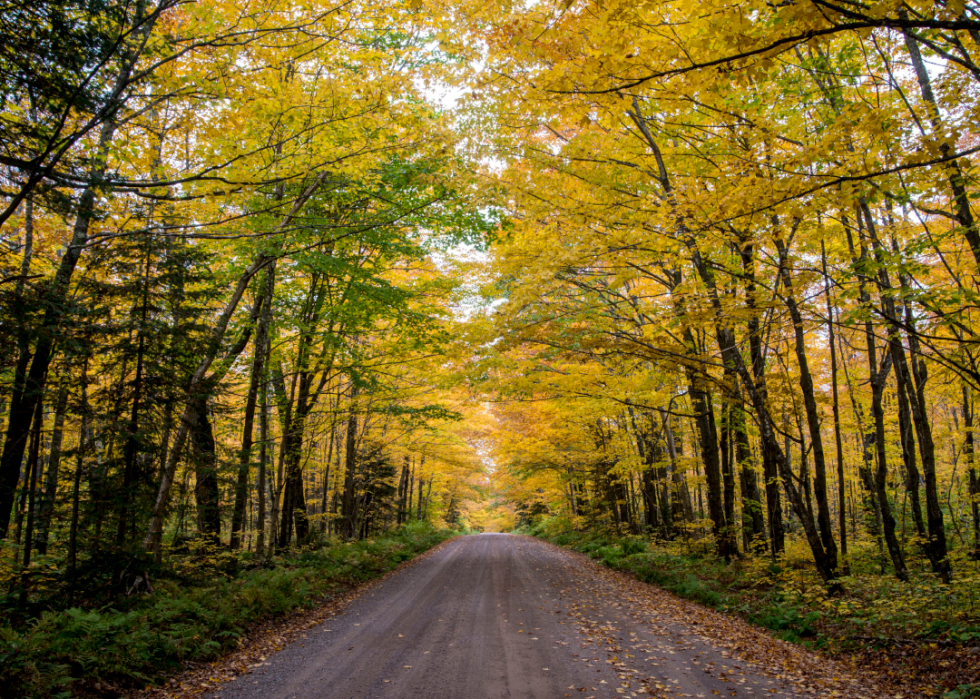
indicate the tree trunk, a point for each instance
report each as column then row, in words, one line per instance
column 969, row 449
column 204, row 458
column 841, row 497
column 33, row 466
column 51, row 479
column 80, row 454
column 681, row 507
column 753, row 521
column 728, row 470
column 348, row 512
column 261, row 480
column 132, row 446
column 812, row 415
column 770, row 467
column 403, row 486
column 705, row 422
column 326, row 477
column 260, row 352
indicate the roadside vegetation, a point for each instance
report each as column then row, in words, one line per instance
column 205, row 602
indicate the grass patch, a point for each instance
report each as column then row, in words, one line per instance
column 61, row 652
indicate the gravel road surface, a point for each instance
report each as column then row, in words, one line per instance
column 499, row 616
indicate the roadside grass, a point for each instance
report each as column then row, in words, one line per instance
column 922, row 628
column 140, row 642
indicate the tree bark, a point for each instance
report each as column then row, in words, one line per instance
column 770, row 467
column 33, row 466
column 204, row 458
column 348, row 512
column 835, row 406
column 812, row 414
column 46, row 510
column 259, row 356
column 969, row 449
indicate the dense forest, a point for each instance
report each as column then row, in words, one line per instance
column 275, row 276
column 742, row 250
column 222, row 310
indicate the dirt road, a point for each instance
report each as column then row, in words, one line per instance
column 498, row 616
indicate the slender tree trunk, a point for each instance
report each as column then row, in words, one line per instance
column 411, row 492
column 403, row 486
column 260, row 353
column 770, row 467
column 908, row 458
column 969, row 449
column 842, row 514
column 261, row 480
column 326, row 477
column 428, row 499
column 877, row 379
column 348, row 508
column 46, row 509
column 812, row 415
column 682, row 509
column 132, row 447
column 80, row 454
column 753, row 522
column 33, row 466
column 728, row 472
column 705, row 421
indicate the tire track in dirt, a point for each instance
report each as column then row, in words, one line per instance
column 499, row 616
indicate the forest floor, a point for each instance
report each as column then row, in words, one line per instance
column 505, row 616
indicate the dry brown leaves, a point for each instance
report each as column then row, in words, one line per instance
column 921, row 668
column 808, row 673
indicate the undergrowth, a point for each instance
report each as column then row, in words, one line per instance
column 109, row 649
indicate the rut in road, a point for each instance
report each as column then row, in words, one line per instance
column 499, row 616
